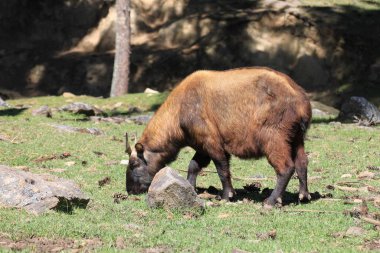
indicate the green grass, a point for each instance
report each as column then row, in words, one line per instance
column 333, row 150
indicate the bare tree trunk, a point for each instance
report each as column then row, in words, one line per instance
column 120, row 76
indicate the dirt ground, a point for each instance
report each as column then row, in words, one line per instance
column 40, row 244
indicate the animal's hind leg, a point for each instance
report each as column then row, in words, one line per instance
column 301, row 161
column 279, row 156
column 198, row 162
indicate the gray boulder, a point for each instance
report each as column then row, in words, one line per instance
column 321, row 110
column 358, row 108
column 82, row 108
column 171, row 190
column 38, row 193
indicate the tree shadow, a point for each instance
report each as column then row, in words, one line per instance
column 12, row 111
column 322, row 48
column 323, row 120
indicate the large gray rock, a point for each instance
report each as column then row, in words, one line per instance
column 359, row 108
column 171, row 190
column 38, row 193
column 322, row 110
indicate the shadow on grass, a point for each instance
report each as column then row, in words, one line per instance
column 323, row 120
column 12, row 111
column 66, row 206
column 255, row 194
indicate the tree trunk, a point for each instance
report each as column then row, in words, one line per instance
column 120, row 76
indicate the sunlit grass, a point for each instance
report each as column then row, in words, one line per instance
column 333, row 150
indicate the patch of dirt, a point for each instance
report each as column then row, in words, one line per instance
column 45, row 158
column 160, row 249
column 372, row 245
column 104, row 181
column 41, row 244
column 267, row 235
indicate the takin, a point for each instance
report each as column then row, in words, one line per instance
column 245, row 112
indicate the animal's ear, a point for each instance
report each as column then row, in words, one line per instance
column 139, row 148
column 128, row 149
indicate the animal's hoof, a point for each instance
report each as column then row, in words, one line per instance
column 268, row 206
column 228, row 196
column 304, row 197
column 269, row 203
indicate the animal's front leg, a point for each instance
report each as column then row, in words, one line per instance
column 282, row 182
column 198, row 162
column 223, row 169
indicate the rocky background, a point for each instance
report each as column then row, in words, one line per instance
column 50, row 47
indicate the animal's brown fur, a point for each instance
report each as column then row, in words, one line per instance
column 246, row 112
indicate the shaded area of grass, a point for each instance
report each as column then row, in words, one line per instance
column 333, row 150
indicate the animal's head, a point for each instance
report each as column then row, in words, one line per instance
column 138, row 178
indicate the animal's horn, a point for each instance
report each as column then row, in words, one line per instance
column 127, row 146
column 134, row 138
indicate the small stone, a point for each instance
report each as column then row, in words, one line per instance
column 43, row 111
column 355, row 231
column 71, row 163
column 118, row 104
column 346, row 176
column 150, row 91
column 124, row 162
column 206, row 195
column 3, row 103
column 68, row 95
column 170, row 190
column 335, row 123
column 71, row 129
column 366, row 175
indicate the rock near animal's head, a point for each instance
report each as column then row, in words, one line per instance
column 138, row 178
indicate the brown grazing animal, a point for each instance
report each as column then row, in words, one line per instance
column 246, row 112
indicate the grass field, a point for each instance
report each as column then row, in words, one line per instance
column 130, row 226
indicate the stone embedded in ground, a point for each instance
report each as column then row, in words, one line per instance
column 141, row 119
column 3, row 103
column 171, row 190
column 359, row 108
column 38, row 193
column 82, row 108
column 321, row 110
column 42, row 111
column 355, row 231
column 150, row 91
column 71, row 129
